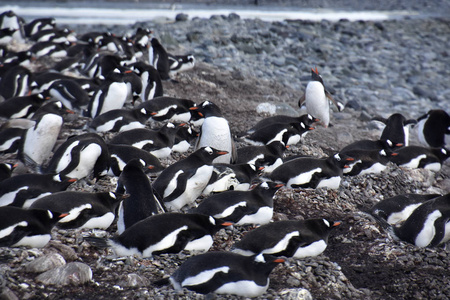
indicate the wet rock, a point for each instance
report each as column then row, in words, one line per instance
column 45, row 263
column 74, row 273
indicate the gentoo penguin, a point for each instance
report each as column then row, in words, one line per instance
column 165, row 233
column 141, row 40
column 427, row 226
column 21, row 107
column 158, row 58
column 184, row 137
column 120, row 155
column 37, row 25
column 83, row 209
column 169, row 109
column 26, row 227
column 306, row 119
column 50, row 49
column 237, row 177
column 308, row 172
column 70, row 93
column 316, row 99
column 80, row 155
column 180, row 63
column 22, row 190
column 12, row 59
column 397, row 209
column 15, row 82
column 158, row 142
column 215, row 132
column 6, row 170
column 433, row 128
column 41, row 82
column 10, row 139
column 6, row 35
column 54, row 35
column 367, row 161
column 112, row 94
column 288, row 133
column 39, row 140
column 119, row 120
column 254, row 207
column 225, row 273
column 151, row 81
column 289, row 238
column 396, row 129
column 421, row 157
column 182, row 182
column 9, row 19
column 141, row 202
column 269, row 156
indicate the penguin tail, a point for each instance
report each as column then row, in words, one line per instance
column 388, row 228
column 162, row 282
column 97, row 242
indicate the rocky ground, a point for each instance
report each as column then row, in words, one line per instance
column 377, row 68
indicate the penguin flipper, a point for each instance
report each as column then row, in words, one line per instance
column 30, row 163
column 339, row 105
column 97, row 242
column 302, row 100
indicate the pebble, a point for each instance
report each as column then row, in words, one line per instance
column 45, row 263
column 74, row 273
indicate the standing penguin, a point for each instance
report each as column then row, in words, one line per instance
column 254, row 207
column 433, row 128
column 316, row 99
column 182, row 182
column 289, row 238
column 158, row 58
column 80, row 155
column 151, row 81
column 15, row 82
column 26, row 227
column 215, row 132
column 396, row 129
column 141, row 202
column 225, row 273
column 9, row 19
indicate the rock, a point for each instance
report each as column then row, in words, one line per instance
column 74, row 273
column 7, row 294
column 45, row 263
column 67, row 252
column 296, row 294
column 134, row 280
column 181, row 17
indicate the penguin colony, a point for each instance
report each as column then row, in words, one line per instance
column 116, row 85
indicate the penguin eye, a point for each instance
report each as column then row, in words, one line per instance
column 112, row 195
column 170, row 125
column 50, row 215
column 206, row 103
column 326, row 223
column 310, row 117
column 142, row 162
column 212, row 220
column 143, row 111
column 260, row 258
column 443, row 151
column 337, row 157
column 389, row 143
column 57, row 178
column 209, row 150
column 59, row 104
column 303, row 125
column 265, row 185
column 382, row 152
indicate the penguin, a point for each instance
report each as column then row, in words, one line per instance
column 232, row 177
column 371, row 145
column 165, row 233
column 6, row 35
column 151, row 81
column 119, row 120
column 21, row 107
column 182, row 182
column 396, row 129
column 12, row 59
column 22, row 190
column 158, row 58
column 306, row 119
column 15, row 82
column 54, row 35
column 225, row 273
column 112, row 94
column 395, row 210
column 26, row 227
column 37, row 25
column 9, row 19
column 288, row 133
column 10, row 139
column 308, row 172
column 433, row 128
column 141, row 202
column 39, row 140
column 169, row 109
column 421, row 157
column 367, row 161
column 316, row 99
column 180, row 63
column 83, row 209
column 94, row 37
column 254, row 207
column 184, row 137
column 288, row 238
column 215, row 132
column 158, row 142
column 70, row 93
column 141, row 41
column 42, row 82
column 269, row 156
column 50, row 49
column 427, row 226
column 120, row 155
column 102, row 65
column 80, row 155
column 6, row 170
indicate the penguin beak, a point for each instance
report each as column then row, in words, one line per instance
column 63, row 215
column 337, row 223
column 69, row 111
column 150, row 167
column 349, row 159
column 399, row 145
column 346, row 166
column 222, row 152
column 260, row 168
column 72, row 180
column 153, row 113
column 279, row 185
column 312, row 128
column 394, row 154
column 226, row 224
column 279, row 260
column 15, row 166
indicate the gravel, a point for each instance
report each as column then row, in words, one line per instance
column 377, row 68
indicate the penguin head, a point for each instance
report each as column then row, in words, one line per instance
column 211, row 152
column 315, row 76
column 207, row 109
